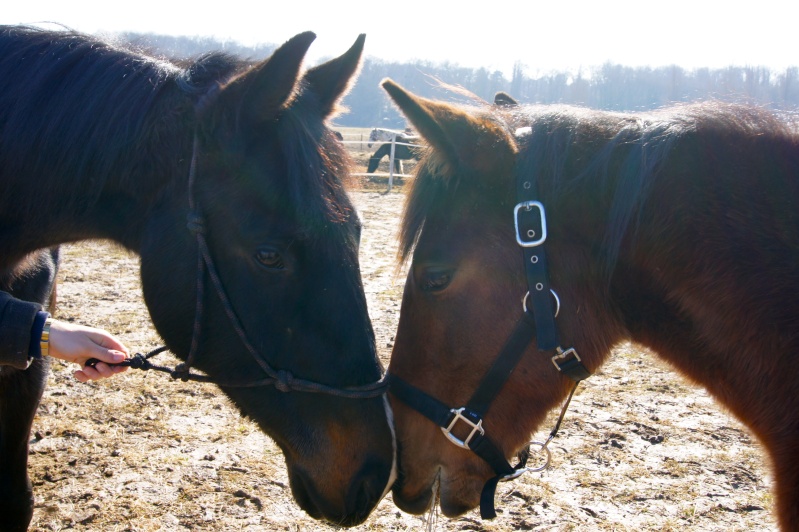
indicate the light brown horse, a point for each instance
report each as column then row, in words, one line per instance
column 678, row 230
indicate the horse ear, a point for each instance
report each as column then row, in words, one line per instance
column 330, row 81
column 461, row 141
column 263, row 91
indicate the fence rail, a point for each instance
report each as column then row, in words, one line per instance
column 391, row 173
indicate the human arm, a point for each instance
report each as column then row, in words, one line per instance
column 18, row 319
column 21, row 340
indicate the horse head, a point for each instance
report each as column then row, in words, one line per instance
column 462, row 301
column 373, row 137
column 270, row 203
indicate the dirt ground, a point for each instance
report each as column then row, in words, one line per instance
column 640, row 449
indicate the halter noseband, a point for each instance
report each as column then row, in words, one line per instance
column 540, row 307
column 283, row 380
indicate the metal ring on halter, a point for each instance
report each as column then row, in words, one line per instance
column 544, row 447
column 554, row 294
column 523, row 470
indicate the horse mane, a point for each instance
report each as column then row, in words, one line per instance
column 81, row 114
column 90, row 115
column 564, row 149
column 318, row 171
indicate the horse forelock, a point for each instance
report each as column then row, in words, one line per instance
column 426, row 191
column 306, row 181
column 203, row 77
column 317, row 173
column 444, row 185
column 438, row 179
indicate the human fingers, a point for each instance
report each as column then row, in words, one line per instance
column 89, row 373
column 100, row 370
column 111, row 356
column 76, row 343
column 107, row 340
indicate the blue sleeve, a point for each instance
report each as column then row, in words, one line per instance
column 35, row 347
column 17, row 319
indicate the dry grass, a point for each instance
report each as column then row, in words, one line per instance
column 640, row 449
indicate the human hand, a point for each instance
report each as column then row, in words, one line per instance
column 78, row 343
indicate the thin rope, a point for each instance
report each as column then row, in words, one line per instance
column 197, row 227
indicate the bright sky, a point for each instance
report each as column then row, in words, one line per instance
column 542, row 36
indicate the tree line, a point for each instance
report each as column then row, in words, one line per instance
column 609, row 86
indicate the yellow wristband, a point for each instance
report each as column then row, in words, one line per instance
column 44, row 342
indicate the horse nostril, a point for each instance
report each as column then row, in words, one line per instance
column 348, row 506
column 303, row 492
column 366, row 491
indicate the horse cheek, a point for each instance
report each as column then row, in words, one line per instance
column 168, row 281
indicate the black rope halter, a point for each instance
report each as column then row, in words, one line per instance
column 283, row 380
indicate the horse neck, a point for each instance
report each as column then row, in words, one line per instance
column 153, row 166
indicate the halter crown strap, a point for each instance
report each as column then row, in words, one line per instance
column 531, row 232
column 530, row 221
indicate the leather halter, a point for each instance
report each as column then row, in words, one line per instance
column 283, row 380
column 537, row 320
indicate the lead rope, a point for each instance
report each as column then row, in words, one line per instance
column 196, row 226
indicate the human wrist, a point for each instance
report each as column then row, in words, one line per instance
column 40, row 321
column 44, row 341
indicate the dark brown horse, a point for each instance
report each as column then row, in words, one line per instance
column 678, row 230
column 402, row 152
column 223, row 176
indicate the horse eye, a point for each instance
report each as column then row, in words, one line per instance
column 435, row 280
column 270, row 258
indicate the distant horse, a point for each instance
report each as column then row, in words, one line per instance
column 402, row 152
column 382, row 135
column 224, row 178
column 677, row 229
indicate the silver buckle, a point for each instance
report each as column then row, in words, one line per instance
column 563, row 355
column 476, row 427
column 532, row 241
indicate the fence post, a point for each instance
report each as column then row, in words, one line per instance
column 391, row 164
